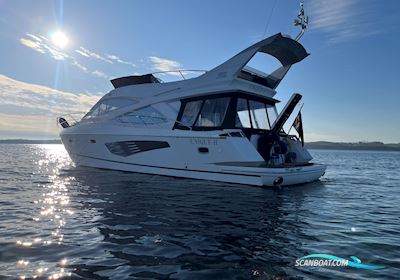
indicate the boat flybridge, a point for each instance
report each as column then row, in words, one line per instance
column 222, row 125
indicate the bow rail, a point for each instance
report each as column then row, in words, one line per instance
column 71, row 119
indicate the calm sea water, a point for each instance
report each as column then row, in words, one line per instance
column 57, row 220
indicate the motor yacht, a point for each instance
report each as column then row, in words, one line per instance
column 222, row 125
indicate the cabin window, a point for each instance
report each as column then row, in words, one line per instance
column 213, row 112
column 258, row 113
column 254, row 114
column 272, row 114
column 144, row 116
column 217, row 112
column 108, row 105
column 190, row 113
column 242, row 114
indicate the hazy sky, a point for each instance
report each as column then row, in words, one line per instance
column 350, row 83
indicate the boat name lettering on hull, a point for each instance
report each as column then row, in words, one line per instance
column 205, row 142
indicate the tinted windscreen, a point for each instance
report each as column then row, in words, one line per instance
column 272, row 115
column 258, row 114
column 213, row 112
column 109, row 105
column 190, row 113
column 242, row 114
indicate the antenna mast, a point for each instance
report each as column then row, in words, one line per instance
column 301, row 20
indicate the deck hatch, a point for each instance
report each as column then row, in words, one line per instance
column 127, row 148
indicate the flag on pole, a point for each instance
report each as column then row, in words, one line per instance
column 298, row 125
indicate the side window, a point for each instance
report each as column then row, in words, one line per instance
column 242, row 114
column 108, row 105
column 272, row 115
column 144, row 116
column 191, row 111
column 258, row 114
column 213, row 112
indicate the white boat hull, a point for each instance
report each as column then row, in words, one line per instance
column 239, row 175
column 222, row 125
column 228, row 159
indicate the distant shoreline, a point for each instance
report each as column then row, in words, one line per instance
column 324, row 145
column 357, row 146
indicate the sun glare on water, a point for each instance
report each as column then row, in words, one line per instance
column 59, row 39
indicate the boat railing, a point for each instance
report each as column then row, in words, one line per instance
column 70, row 119
column 179, row 73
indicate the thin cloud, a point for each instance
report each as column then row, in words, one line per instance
column 17, row 124
column 85, row 52
column 41, row 45
column 34, row 37
column 109, row 58
column 163, row 64
column 42, row 104
column 82, row 53
column 20, row 94
column 342, row 20
column 100, row 74
column 119, row 60
column 31, row 44
column 56, row 54
column 44, row 38
column 80, row 66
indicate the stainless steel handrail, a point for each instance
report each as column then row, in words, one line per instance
column 180, row 71
column 69, row 119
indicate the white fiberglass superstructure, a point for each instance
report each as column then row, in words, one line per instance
column 222, row 125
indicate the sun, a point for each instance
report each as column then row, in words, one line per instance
column 59, row 39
